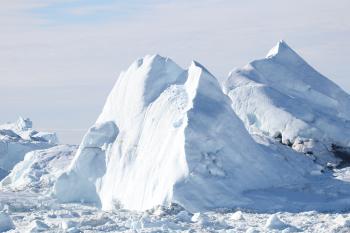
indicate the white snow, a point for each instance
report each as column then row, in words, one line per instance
column 281, row 95
column 16, row 139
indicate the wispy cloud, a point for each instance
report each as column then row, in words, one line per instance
column 92, row 10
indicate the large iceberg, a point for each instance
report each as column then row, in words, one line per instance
column 168, row 135
column 282, row 96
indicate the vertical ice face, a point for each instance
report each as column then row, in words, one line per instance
column 170, row 135
column 144, row 106
column 88, row 166
column 283, row 95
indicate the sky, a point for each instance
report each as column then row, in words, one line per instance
column 60, row 58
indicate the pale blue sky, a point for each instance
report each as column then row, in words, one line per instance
column 60, row 58
column 90, row 11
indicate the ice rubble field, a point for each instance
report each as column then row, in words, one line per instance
column 174, row 151
column 33, row 213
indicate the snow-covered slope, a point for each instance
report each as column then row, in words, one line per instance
column 39, row 169
column 168, row 135
column 16, row 139
column 282, row 96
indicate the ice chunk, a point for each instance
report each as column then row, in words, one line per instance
column 274, row 223
column 24, row 124
column 6, row 223
column 200, row 218
column 341, row 221
column 38, row 226
column 238, row 215
column 45, row 137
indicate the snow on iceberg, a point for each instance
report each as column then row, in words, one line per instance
column 168, row 135
column 39, row 169
column 16, row 139
column 284, row 97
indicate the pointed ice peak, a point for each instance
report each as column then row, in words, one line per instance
column 196, row 64
column 152, row 66
column 140, row 85
column 279, row 48
column 200, row 80
column 149, row 60
column 155, row 57
column 285, row 54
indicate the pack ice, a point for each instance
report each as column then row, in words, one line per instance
column 168, row 135
column 16, row 139
column 284, row 97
